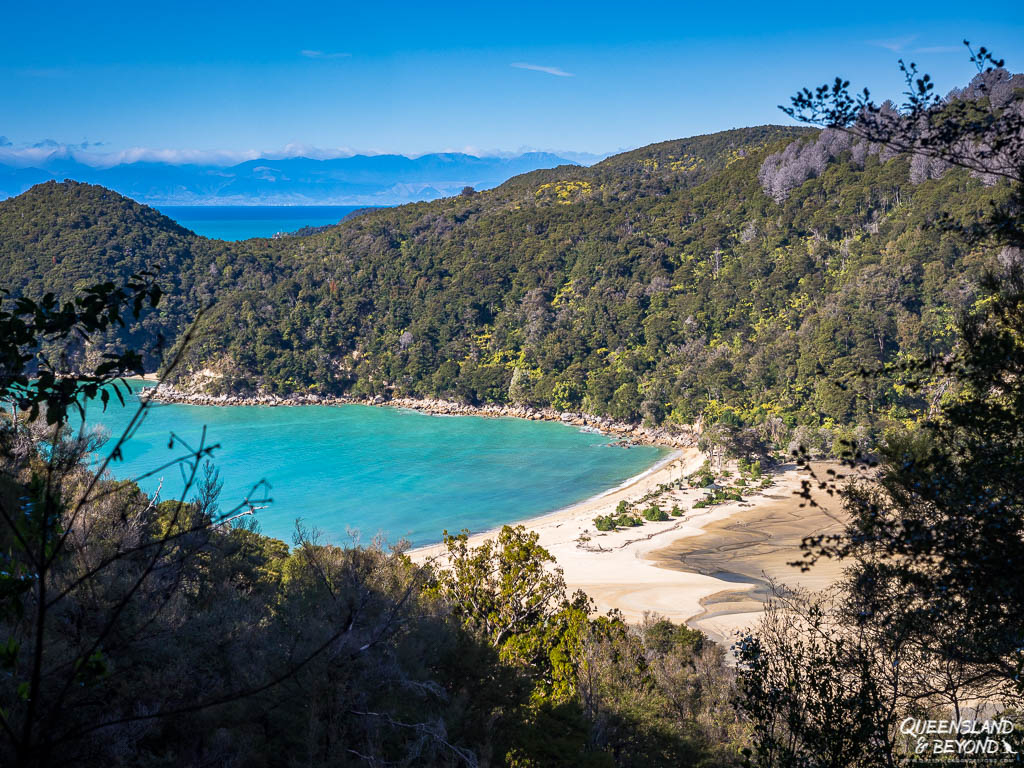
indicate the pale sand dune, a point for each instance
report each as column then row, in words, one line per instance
column 707, row 568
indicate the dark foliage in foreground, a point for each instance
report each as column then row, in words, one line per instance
column 137, row 631
column 929, row 620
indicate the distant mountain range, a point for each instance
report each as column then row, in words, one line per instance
column 356, row 180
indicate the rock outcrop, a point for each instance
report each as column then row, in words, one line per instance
column 627, row 434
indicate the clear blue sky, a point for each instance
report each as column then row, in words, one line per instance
column 419, row 77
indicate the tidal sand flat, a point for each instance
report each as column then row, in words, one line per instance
column 748, row 550
column 396, row 472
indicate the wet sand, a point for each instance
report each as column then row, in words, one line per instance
column 752, row 548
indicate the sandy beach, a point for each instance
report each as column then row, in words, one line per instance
column 708, row 568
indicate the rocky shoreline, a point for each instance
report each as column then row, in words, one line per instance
column 626, row 433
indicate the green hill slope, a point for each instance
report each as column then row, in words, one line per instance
column 739, row 275
column 61, row 237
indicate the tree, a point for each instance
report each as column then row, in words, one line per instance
column 519, row 388
column 816, row 693
column 722, row 440
column 504, row 587
column 978, row 128
column 947, row 516
column 930, row 617
column 36, row 338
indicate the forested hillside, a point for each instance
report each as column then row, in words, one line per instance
column 749, row 276
column 60, row 237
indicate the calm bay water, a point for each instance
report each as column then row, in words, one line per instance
column 240, row 222
column 381, row 470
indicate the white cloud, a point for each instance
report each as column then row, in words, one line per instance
column 87, row 153
column 311, row 54
column 468, row 149
column 38, row 153
column 298, row 149
column 169, row 156
column 26, row 156
column 538, row 68
column 894, row 44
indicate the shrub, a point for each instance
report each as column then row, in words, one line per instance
column 622, row 508
column 628, row 521
column 655, row 514
column 676, row 511
column 701, row 479
column 662, row 636
column 604, row 523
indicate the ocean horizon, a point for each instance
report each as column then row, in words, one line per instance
column 241, row 222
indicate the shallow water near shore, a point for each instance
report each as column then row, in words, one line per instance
column 397, row 472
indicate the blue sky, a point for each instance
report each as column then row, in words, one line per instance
column 223, row 81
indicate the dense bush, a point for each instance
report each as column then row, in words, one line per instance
column 654, row 513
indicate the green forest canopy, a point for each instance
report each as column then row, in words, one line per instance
column 747, row 275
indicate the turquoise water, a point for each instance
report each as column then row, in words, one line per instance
column 240, row 222
column 381, row 470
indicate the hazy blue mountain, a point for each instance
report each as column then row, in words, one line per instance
column 14, row 181
column 356, row 180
